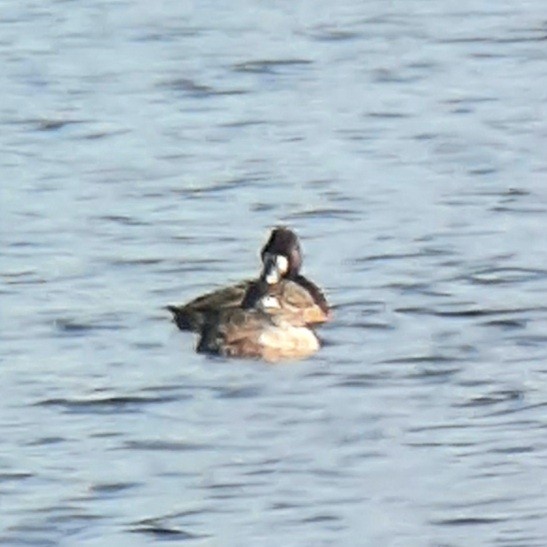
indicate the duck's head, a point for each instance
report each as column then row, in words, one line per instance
column 281, row 256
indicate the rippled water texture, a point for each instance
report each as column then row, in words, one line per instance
column 146, row 150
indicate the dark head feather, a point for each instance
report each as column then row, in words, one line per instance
column 283, row 241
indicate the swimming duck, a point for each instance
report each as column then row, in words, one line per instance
column 271, row 328
column 281, row 262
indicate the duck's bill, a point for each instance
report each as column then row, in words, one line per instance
column 275, row 267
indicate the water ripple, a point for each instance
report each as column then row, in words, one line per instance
column 145, row 155
column 106, row 404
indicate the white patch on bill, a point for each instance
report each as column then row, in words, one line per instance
column 282, row 264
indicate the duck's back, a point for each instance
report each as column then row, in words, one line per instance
column 301, row 304
column 302, row 298
column 193, row 315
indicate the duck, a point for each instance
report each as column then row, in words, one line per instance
column 281, row 258
column 271, row 327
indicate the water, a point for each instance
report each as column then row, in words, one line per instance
column 147, row 148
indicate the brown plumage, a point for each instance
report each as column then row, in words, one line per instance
column 256, row 334
column 192, row 316
column 282, row 242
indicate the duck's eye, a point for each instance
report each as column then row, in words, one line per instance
column 270, row 302
column 282, row 264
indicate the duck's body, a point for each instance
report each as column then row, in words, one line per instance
column 281, row 259
column 301, row 294
column 266, row 318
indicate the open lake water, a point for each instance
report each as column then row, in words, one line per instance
column 147, row 149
